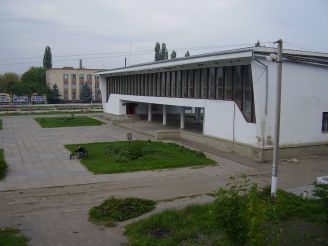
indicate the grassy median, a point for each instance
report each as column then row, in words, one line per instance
column 50, row 122
column 0, row 124
column 123, row 156
column 12, row 237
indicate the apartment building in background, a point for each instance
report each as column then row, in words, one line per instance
column 71, row 80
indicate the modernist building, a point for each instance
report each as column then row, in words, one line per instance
column 70, row 81
column 235, row 92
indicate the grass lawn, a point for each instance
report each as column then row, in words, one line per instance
column 120, row 209
column 122, row 156
column 3, row 165
column 12, row 237
column 0, row 124
column 50, row 122
column 297, row 222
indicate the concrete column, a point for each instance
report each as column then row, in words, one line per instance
column 164, row 115
column 149, row 112
column 197, row 114
column 182, row 117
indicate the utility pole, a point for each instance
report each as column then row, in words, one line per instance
column 275, row 162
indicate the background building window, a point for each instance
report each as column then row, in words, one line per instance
column 73, row 76
column 96, row 77
column 81, row 76
column 65, row 76
column 325, row 121
column 89, row 76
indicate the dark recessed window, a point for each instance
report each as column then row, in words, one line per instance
column 325, row 121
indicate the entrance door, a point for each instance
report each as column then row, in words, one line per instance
column 130, row 108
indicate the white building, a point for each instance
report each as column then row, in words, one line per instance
column 235, row 91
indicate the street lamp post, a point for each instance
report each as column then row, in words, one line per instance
column 275, row 162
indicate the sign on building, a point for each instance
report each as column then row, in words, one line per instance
column 4, row 98
column 38, row 99
column 20, row 99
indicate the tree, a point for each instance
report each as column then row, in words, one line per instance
column 187, row 54
column 173, row 54
column 161, row 53
column 258, row 44
column 47, row 58
column 9, row 83
column 164, row 52
column 86, row 94
column 54, row 96
column 157, row 51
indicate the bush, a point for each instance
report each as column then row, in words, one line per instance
column 241, row 212
column 3, row 165
column 116, row 209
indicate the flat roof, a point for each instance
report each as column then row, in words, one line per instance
column 316, row 58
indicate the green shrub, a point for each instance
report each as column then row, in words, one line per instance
column 117, row 209
column 12, row 237
column 241, row 212
column 3, row 165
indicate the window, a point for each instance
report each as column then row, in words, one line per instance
column 219, row 83
column 97, row 85
column 65, row 85
column 185, row 83
column 163, row 84
column 325, row 121
column 142, row 79
column 237, row 86
column 178, row 85
column 228, row 82
column 73, row 86
column 73, row 95
column 158, row 76
column 248, row 105
column 168, row 84
column 81, row 76
column 73, row 76
column 173, row 83
column 96, row 77
column 191, row 81
column 89, row 76
column 154, row 82
column 150, row 84
column 204, row 82
column 197, row 83
column 211, row 83
column 65, row 76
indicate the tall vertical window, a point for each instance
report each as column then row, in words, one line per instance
column 154, row 82
column 247, row 93
column 142, row 79
column 146, row 84
column 178, row 83
column 204, row 82
column 73, row 76
column 237, row 86
column 65, row 76
column 163, row 84
column 81, row 76
column 158, row 76
column 191, row 82
column 219, row 83
column 168, row 84
column 150, row 85
column 211, row 83
column 173, row 84
column 228, row 74
column 185, row 83
column 325, row 121
column 197, row 83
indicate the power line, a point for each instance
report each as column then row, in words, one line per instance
column 91, row 56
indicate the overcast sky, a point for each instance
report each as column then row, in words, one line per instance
column 101, row 31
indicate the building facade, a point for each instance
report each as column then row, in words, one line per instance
column 70, row 81
column 233, row 94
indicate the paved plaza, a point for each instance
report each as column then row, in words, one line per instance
column 37, row 158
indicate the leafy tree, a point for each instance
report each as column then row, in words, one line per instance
column 9, row 82
column 54, row 96
column 157, row 51
column 86, row 94
column 47, row 58
column 35, row 80
column 258, row 44
column 173, row 54
column 187, row 54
